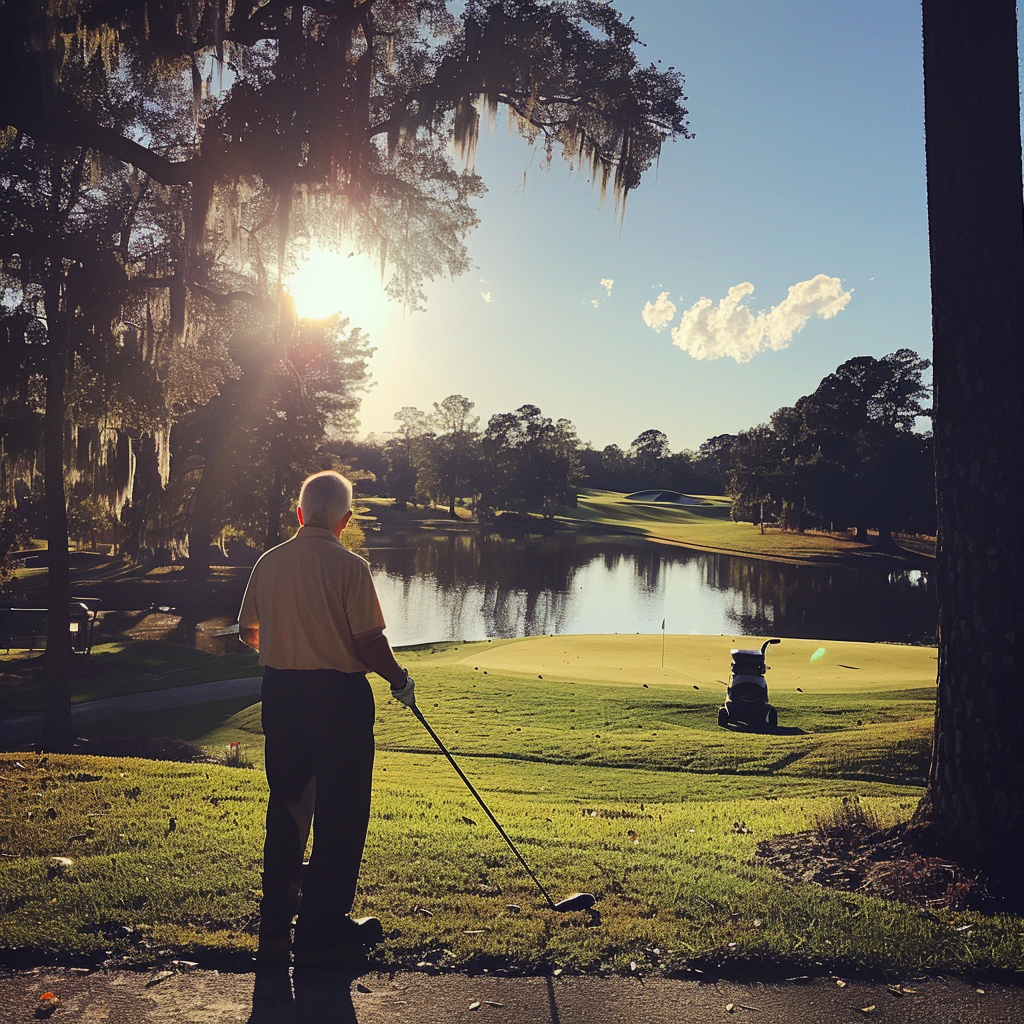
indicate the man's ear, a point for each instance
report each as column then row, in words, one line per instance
column 340, row 525
column 298, row 512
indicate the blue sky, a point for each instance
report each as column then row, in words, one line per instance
column 808, row 160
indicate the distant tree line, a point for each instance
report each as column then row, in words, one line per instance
column 847, row 456
column 251, row 420
column 520, row 461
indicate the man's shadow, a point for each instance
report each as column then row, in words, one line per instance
column 318, row 994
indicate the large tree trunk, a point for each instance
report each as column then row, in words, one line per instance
column 57, row 733
column 975, row 797
column 205, row 502
column 142, row 515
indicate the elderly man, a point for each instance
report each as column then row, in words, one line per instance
column 311, row 611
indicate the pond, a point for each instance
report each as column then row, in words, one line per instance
column 461, row 586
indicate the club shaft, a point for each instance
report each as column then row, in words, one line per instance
column 480, row 800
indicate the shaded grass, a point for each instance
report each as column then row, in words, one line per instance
column 194, row 723
column 116, row 669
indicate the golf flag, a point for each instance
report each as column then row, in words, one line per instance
column 663, row 625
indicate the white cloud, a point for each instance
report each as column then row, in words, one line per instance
column 658, row 314
column 607, row 284
column 730, row 329
column 487, row 297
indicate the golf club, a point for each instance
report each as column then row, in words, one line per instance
column 578, row 901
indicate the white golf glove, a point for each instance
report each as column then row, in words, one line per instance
column 404, row 693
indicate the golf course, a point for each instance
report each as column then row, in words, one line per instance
column 601, row 757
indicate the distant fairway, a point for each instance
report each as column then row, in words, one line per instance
column 707, row 526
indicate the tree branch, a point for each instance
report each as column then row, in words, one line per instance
column 67, row 130
column 217, row 298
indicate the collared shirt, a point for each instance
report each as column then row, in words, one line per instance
column 311, row 598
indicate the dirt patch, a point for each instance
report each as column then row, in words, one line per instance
column 859, row 857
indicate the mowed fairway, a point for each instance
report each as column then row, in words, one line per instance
column 707, row 525
column 609, row 773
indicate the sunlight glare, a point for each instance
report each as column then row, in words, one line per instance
column 330, row 282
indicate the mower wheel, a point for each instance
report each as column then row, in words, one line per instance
column 773, row 719
column 723, row 718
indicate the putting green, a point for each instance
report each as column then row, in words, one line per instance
column 701, row 660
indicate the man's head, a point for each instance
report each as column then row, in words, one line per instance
column 325, row 501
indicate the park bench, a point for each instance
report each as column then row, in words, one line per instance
column 25, row 628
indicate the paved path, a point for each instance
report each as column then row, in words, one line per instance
column 206, row 997
column 19, row 731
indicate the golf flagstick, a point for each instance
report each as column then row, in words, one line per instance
column 578, row 901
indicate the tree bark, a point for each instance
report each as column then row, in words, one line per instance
column 208, row 493
column 975, row 797
column 200, row 529
column 143, row 513
column 57, row 732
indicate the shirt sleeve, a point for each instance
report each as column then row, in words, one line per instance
column 362, row 604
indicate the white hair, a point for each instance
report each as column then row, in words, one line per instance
column 324, row 499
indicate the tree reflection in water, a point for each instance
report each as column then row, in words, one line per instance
column 463, row 586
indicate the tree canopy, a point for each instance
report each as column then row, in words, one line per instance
column 331, row 119
column 164, row 163
column 846, row 455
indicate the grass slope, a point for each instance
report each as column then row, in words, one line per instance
column 116, row 669
column 607, row 785
column 709, row 527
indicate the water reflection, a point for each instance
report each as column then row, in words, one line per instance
column 461, row 586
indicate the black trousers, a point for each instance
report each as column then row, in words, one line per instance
column 319, row 759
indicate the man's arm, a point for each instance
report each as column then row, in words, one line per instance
column 250, row 635
column 376, row 653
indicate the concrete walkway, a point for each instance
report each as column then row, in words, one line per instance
column 19, row 731
column 206, row 997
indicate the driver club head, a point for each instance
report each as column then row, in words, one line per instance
column 577, row 901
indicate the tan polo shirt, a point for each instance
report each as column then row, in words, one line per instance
column 311, row 597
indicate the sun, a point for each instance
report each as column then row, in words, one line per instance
column 330, row 282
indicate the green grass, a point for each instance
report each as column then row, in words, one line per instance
column 116, row 669
column 709, row 527
column 628, row 791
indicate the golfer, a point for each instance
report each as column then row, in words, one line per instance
column 311, row 611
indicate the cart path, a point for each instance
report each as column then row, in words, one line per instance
column 20, row 728
column 186, row 996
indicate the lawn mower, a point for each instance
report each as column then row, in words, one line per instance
column 746, row 699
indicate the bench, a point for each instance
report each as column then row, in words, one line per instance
column 25, row 628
